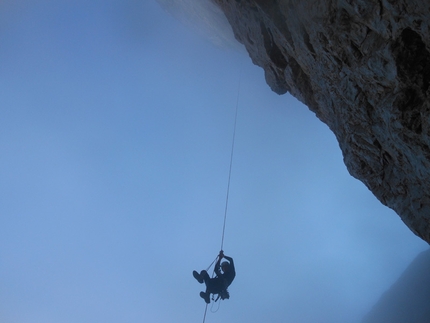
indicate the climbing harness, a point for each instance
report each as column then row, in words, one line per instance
column 224, row 294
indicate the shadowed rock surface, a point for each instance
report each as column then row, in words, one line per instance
column 363, row 67
column 408, row 299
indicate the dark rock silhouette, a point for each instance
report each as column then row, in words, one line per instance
column 363, row 67
column 407, row 300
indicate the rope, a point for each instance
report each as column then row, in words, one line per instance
column 231, row 160
column 207, row 269
column 228, row 185
column 204, row 317
column 206, row 307
column 219, row 305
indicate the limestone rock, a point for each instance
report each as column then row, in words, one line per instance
column 363, row 67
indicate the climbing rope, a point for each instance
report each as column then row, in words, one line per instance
column 206, row 309
column 207, row 269
column 231, row 160
column 212, row 307
column 228, row 184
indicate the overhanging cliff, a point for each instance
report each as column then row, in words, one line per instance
column 363, row 67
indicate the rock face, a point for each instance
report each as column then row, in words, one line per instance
column 363, row 67
column 407, row 300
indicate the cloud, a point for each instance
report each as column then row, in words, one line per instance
column 205, row 18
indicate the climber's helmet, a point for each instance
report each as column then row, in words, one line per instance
column 225, row 266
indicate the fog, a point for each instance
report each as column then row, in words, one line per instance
column 115, row 131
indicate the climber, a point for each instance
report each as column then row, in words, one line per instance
column 219, row 284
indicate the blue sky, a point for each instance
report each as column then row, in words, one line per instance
column 115, row 132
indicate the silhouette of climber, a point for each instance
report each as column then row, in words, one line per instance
column 220, row 283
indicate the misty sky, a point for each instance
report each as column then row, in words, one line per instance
column 115, row 132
